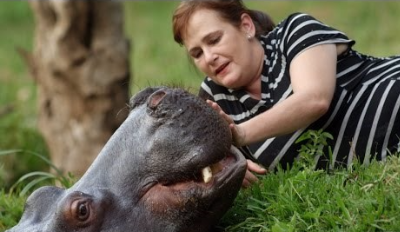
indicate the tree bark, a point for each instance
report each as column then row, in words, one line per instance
column 80, row 63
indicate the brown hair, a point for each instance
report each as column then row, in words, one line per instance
column 229, row 10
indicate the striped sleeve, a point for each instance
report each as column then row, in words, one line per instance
column 302, row 31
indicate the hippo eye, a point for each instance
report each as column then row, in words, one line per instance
column 83, row 211
column 79, row 209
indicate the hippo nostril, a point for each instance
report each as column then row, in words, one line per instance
column 156, row 98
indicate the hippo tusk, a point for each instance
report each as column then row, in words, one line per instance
column 206, row 173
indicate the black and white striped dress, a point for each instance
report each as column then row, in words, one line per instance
column 363, row 117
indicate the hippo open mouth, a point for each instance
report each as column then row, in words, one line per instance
column 170, row 167
column 203, row 179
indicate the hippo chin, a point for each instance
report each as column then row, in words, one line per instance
column 169, row 167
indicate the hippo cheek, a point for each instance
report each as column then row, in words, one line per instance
column 193, row 199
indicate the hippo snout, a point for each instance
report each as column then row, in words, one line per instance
column 38, row 208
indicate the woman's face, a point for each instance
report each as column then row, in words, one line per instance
column 220, row 50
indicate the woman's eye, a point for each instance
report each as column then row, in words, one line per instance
column 215, row 40
column 196, row 54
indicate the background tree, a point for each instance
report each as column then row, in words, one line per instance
column 80, row 63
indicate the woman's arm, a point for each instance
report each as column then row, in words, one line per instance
column 313, row 79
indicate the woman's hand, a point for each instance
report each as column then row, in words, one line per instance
column 250, row 178
column 238, row 133
column 238, row 137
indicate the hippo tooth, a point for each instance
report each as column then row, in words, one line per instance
column 207, row 174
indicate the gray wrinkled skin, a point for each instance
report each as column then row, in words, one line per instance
column 147, row 177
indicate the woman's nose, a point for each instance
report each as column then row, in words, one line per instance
column 210, row 56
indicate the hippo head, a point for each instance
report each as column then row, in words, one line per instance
column 169, row 167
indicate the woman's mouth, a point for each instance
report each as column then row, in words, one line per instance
column 221, row 69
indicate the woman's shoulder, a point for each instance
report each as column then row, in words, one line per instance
column 299, row 31
column 297, row 18
column 301, row 25
column 293, row 19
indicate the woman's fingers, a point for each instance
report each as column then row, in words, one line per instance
column 249, row 177
column 246, row 183
column 237, row 134
column 218, row 109
column 214, row 105
column 254, row 167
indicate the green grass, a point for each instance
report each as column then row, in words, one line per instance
column 363, row 199
column 10, row 209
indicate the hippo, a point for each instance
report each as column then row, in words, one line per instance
column 169, row 167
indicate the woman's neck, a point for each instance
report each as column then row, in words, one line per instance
column 254, row 87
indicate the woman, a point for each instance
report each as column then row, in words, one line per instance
column 272, row 83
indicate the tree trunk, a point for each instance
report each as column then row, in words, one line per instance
column 81, row 65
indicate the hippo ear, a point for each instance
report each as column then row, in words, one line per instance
column 156, row 98
column 141, row 97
